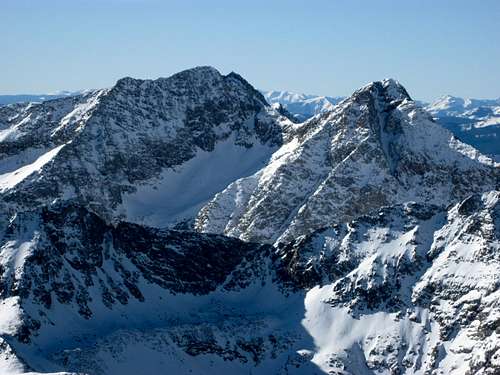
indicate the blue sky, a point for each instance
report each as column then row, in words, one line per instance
column 328, row 47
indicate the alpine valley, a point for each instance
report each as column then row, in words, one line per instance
column 193, row 225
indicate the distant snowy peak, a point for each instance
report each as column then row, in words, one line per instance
column 301, row 106
column 452, row 105
column 473, row 121
column 37, row 98
column 287, row 96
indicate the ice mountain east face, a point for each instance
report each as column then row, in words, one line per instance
column 186, row 226
column 473, row 121
column 376, row 148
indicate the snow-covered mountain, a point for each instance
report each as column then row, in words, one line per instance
column 374, row 149
column 409, row 289
column 454, row 106
column 149, row 151
column 25, row 98
column 362, row 241
column 473, row 121
column 77, row 292
column 301, row 106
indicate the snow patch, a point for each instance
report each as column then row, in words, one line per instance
column 180, row 192
column 11, row 179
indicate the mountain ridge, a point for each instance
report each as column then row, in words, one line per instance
column 363, row 240
column 176, row 124
column 372, row 144
column 473, row 121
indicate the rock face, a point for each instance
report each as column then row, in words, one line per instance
column 363, row 241
column 376, row 148
column 65, row 271
column 473, row 121
column 68, row 251
column 412, row 289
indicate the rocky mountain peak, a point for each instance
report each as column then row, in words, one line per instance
column 388, row 90
column 203, row 83
column 200, row 73
column 132, row 134
column 376, row 148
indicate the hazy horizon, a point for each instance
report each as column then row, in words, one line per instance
column 323, row 48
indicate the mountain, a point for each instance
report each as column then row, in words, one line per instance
column 374, row 149
column 184, row 225
column 473, row 121
column 301, row 106
column 409, row 289
column 25, row 98
column 76, row 290
column 454, row 106
column 147, row 151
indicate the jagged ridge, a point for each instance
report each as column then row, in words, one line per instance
column 105, row 146
column 376, row 148
column 385, row 257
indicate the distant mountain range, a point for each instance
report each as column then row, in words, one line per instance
column 473, row 121
column 301, row 106
column 23, row 98
column 186, row 226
